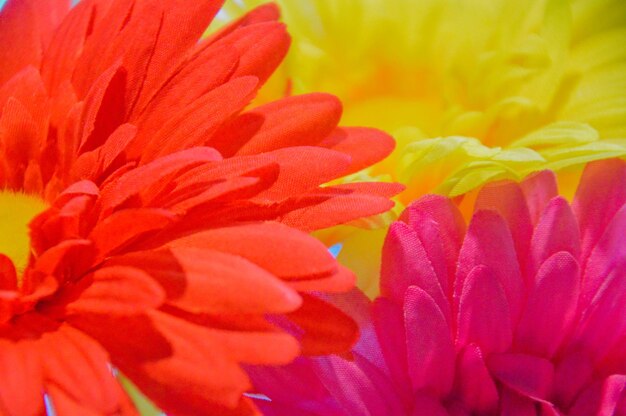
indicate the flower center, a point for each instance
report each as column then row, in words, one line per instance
column 16, row 212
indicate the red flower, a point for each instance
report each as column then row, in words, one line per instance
column 173, row 242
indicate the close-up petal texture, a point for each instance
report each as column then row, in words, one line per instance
column 518, row 310
column 154, row 230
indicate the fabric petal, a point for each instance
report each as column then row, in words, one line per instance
column 71, row 356
column 115, row 290
column 21, row 380
column 484, row 315
column 477, row 389
column 601, row 193
column 404, row 263
column 508, row 200
column 551, row 306
column 430, row 351
column 557, row 230
column 489, row 242
column 528, row 375
column 281, row 252
column 321, row 328
column 539, row 188
column 207, row 281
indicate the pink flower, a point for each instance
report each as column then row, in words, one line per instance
column 521, row 312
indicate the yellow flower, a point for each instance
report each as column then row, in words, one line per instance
column 472, row 90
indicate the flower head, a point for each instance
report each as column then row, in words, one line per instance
column 167, row 226
column 523, row 311
column 472, row 90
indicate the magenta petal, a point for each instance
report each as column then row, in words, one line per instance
column 433, row 241
column 430, row 351
column 588, row 402
column 528, row 375
column 396, row 400
column 556, row 231
column 603, row 323
column 548, row 409
column 304, row 387
column 608, row 254
column 613, row 401
column 477, row 389
column 405, row 263
column 572, row 373
column 539, row 188
column 359, row 307
column 551, row 306
column 600, row 195
column 488, row 242
column 427, row 405
column 507, row 199
column 388, row 319
column 350, row 386
column 484, row 318
column 441, row 211
column 514, row 404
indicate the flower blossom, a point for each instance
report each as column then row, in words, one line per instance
column 521, row 312
column 471, row 90
column 152, row 226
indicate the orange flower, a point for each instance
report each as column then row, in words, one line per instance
column 167, row 238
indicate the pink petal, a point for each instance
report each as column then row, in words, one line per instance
column 601, row 193
column 305, row 388
column 352, row 387
column 606, row 256
column 588, row 402
column 572, row 373
column 477, row 389
column 484, row 318
column 432, row 240
column 441, row 211
column 514, row 404
column 405, row 263
column 488, row 242
column 430, row 351
column 551, row 306
column 388, row 320
column 528, row 375
column 539, row 188
column 604, row 322
column 556, row 231
column 508, row 200
column 359, row 307
column 396, row 400
column 427, row 405
column 613, row 400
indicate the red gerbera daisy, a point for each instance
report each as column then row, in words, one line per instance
column 167, row 239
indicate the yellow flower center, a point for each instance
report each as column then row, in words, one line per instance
column 16, row 212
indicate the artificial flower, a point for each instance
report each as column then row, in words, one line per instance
column 472, row 90
column 504, row 87
column 151, row 227
column 521, row 312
